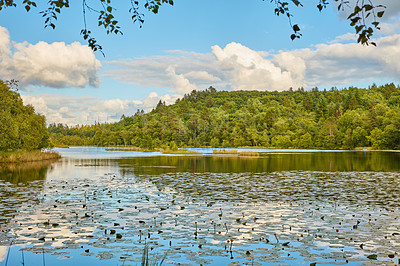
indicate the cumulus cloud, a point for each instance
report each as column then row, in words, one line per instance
column 249, row 70
column 89, row 109
column 341, row 64
column 202, row 77
column 56, row 65
column 232, row 67
column 181, row 72
column 180, row 84
column 237, row 67
column 5, row 44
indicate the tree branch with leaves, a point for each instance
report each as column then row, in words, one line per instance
column 364, row 15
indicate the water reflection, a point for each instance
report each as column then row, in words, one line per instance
column 24, row 172
column 279, row 208
column 20, row 184
column 273, row 162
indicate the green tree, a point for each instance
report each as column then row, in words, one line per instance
column 20, row 126
column 305, row 141
column 269, row 119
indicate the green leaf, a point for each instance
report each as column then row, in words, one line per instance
column 27, row 8
column 359, row 28
column 368, row 7
column 296, row 28
column 109, row 9
column 380, row 14
column 375, row 23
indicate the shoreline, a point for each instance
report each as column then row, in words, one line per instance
column 132, row 148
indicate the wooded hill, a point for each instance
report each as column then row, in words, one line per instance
column 328, row 119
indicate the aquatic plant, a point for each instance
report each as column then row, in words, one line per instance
column 249, row 153
column 90, row 213
column 232, row 152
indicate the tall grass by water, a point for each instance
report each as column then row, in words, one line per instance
column 235, row 152
column 27, row 156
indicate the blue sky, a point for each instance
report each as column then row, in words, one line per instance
column 229, row 45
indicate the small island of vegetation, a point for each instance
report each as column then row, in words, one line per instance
column 23, row 133
column 165, row 149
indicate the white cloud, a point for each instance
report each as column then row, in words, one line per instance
column 88, row 109
column 56, row 65
column 250, row 70
column 179, row 71
column 233, row 67
column 345, row 38
column 343, row 64
column 201, row 77
column 180, row 84
column 5, row 44
column 390, row 27
column 238, row 67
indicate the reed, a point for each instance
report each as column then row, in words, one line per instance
column 249, row 153
column 130, row 149
column 235, row 152
column 61, row 146
column 179, row 151
column 27, row 156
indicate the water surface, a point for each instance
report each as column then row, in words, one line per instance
column 123, row 208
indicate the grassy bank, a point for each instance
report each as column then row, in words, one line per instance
column 179, row 151
column 163, row 150
column 131, row 149
column 235, row 152
column 27, row 156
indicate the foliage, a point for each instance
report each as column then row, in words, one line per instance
column 364, row 16
column 334, row 119
column 20, row 126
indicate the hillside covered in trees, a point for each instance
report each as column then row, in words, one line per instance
column 20, row 127
column 328, row 119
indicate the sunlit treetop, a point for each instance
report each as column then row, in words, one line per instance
column 364, row 15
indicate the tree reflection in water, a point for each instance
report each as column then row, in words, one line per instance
column 278, row 208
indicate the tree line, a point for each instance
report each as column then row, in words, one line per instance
column 324, row 119
column 20, row 127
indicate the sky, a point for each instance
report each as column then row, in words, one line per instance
column 227, row 44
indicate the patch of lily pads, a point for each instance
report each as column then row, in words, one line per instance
column 209, row 218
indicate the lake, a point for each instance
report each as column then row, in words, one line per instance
column 285, row 207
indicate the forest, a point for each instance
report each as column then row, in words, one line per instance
column 324, row 119
column 20, row 127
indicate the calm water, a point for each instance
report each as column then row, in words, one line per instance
column 127, row 208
